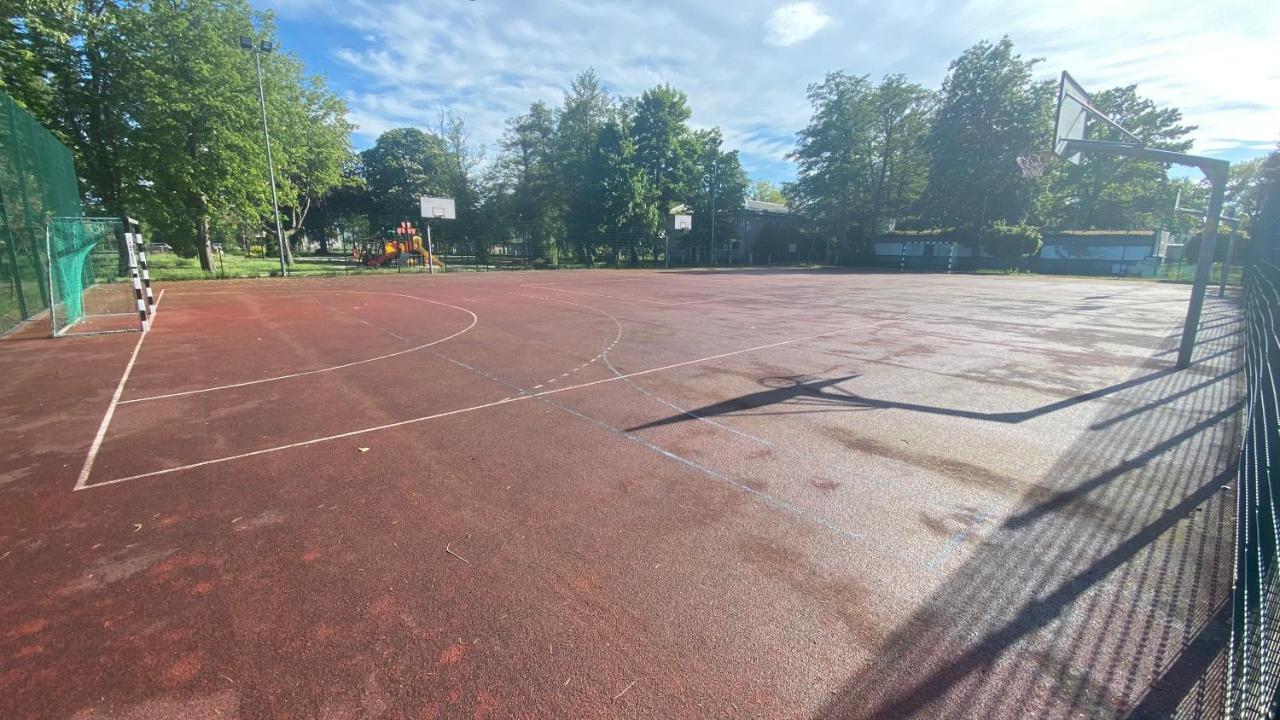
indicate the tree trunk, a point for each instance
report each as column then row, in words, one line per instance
column 203, row 250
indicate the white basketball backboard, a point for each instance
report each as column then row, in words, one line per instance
column 1073, row 116
column 682, row 222
column 440, row 208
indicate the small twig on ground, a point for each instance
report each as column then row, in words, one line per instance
column 5, row 555
column 624, row 690
column 224, row 677
column 451, row 552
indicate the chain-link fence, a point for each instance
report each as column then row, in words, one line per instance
column 1255, row 637
column 37, row 182
column 333, row 243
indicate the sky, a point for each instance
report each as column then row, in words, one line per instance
column 746, row 64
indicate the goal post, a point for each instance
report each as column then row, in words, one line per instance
column 98, row 278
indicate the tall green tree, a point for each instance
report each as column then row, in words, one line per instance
column 193, row 152
column 718, row 189
column 990, row 111
column 460, row 161
column 586, row 108
column 665, row 146
column 403, row 165
column 619, row 190
column 159, row 104
column 766, row 191
column 311, row 142
column 522, row 191
column 902, row 117
column 835, row 156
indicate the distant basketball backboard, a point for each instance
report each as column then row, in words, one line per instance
column 439, row 208
column 682, row 222
column 1073, row 116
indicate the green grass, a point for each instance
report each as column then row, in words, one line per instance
column 169, row 267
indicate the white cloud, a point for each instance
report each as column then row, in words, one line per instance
column 794, row 23
column 398, row 65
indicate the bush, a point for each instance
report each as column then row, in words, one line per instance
column 1010, row 243
column 257, row 251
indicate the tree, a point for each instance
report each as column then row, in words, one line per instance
column 619, row 189
column 460, row 160
column 194, row 148
column 990, row 111
column 587, row 107
column 834, row 155
column 403, row 165
column 665, row 147
column 313, row 142
column 765, row 191
column 903, row 115
column 716, row 189
column 522, row 190
column 159, row 104
column 1010, row 243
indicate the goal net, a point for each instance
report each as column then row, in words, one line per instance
column 95, row 277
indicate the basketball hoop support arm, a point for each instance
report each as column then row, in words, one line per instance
column 1215, row 171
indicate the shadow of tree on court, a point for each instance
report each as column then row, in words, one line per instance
column 1114, row 607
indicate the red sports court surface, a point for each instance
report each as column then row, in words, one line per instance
column 599, row 494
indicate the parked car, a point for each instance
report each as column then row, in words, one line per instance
column 159, row 248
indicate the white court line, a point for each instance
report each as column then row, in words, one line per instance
column 644, row 300
column 585, row 282
column 474, row 320
column 459, row 411
column 111, row 409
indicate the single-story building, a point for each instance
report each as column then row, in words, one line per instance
column 762, row 232
column 1103, row 252
column 1068, row 252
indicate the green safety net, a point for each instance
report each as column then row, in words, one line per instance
column 37, row 182
column 89, row 271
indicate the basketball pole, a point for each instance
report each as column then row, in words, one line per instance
column 1204, row 266
column 1216, row 172
column 431, row 254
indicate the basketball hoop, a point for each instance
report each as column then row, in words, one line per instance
column 1033, row 165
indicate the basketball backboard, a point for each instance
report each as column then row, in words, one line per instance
column 439, row 208
column 1073, row 116
column 681, row 222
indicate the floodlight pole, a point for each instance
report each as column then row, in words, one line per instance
column 266, row 47
column 1215, row 171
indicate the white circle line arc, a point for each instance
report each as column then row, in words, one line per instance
column 474, row 320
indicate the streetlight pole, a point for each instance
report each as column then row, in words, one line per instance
column 263, row 48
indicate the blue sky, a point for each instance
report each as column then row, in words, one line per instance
column 745, row 64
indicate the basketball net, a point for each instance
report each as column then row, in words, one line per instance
column 1033, row 165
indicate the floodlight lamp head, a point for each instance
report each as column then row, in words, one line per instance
column 266, row 46
column 246, row 43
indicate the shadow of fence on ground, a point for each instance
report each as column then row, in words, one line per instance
column 1103, row 597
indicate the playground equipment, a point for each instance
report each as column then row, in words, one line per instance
column 406, row 250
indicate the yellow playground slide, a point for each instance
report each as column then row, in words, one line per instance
column 419, row 248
